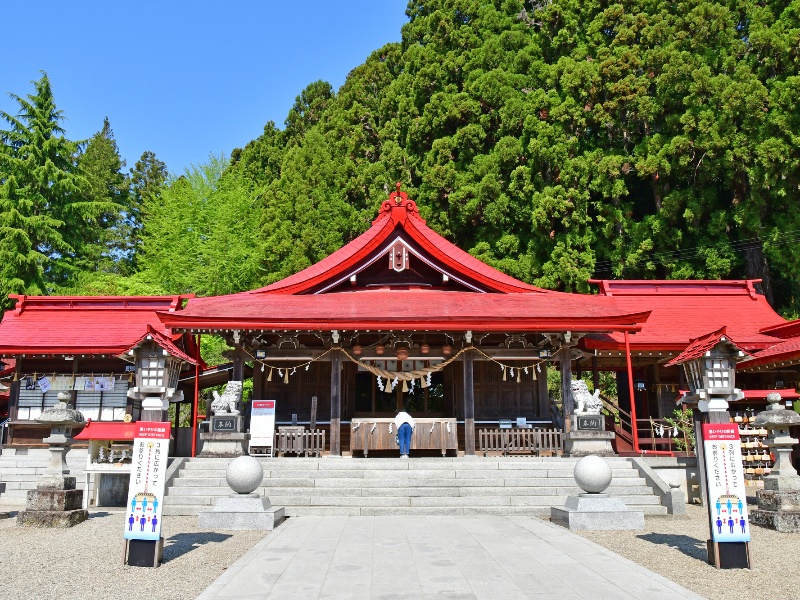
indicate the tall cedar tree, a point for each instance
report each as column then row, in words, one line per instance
column 102, row 166
column 147, row 178
column 46, row 222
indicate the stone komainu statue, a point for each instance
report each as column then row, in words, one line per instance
column 227, row 402
column 587, row 403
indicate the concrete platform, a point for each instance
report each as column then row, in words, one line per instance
column 428, row 557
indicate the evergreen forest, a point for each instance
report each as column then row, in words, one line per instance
column 557, row 140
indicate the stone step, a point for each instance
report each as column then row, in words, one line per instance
column 344, row 511
column 301, row 464
column 413, row 474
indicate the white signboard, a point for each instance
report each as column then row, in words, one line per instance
column 148, row 474
column 262, row 424
column 725, row 476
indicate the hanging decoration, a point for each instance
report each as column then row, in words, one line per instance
column 424, row 374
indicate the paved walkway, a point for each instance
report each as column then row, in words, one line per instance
column 415, row 557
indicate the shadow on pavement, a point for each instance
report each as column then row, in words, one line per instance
column 181, row 543
column 688, row 545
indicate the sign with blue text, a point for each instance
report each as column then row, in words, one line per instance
column 725, row 475
column 147, row 483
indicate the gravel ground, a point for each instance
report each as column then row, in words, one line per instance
column 675, row 547
column 85, row 562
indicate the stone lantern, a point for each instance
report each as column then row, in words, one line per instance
column 157, row 374
column 55, row 502
column 779, row 501
column 709, row 363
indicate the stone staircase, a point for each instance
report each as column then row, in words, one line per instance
column 19, row 472
column 392, row 486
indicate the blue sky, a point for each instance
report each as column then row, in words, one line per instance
column 186, row 78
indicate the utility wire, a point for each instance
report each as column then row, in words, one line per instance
column 689, row 253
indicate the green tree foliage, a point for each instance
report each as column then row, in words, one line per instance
column 559, row 141
column 102, row 166
column 147, row 178
column 201, row 233
column 49, row 223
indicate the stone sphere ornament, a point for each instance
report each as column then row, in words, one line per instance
column 244, row 474
column 592, row 474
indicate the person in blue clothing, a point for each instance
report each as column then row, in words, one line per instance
column 405, row 425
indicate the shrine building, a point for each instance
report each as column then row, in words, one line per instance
column 398, row 318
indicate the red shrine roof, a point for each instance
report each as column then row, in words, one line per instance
column 681, row 309
column 469, row 294
column 699, row 346
column 397, row 213
column 377, row 309
column 99, row 325
column 785, row 351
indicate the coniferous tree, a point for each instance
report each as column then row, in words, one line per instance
column 45, row 222
column 147, row 178
column 102, row 166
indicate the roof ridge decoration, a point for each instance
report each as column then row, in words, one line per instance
column 397, row 212
column 171, row 303
column 683, row 287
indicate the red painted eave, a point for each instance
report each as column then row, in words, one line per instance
column 407, row 309
column 787, row 351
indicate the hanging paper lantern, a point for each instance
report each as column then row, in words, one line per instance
column 379, row 349
column 447, row 349
column 401, row 353
column 357, row 350
column 425, row 348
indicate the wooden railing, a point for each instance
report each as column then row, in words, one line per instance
column 648, row 430
column 300, row 442
column 538, row 442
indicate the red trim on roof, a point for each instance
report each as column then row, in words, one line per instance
column 785, row 351
column 409, row 309
column 101, row 430
column 398, row 212
column 81, row 325
column 699, row 346
column 164, row 342
column 680, row 309
column 784, row 331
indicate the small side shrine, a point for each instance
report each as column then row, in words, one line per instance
column 111, row 357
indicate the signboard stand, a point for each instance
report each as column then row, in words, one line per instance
column 262, row 427
column 144, row 546
column 726, row 500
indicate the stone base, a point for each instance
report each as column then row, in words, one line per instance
column 56, row 482
column 53, row 500
column 586, row 443
column 778, row 510
column 224, row 445
column 596, row 512
column 249, row 512
column 51, row 518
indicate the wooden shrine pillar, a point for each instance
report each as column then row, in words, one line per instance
column 568, row 403
column 336, row 403
column 469, row 405
column 238, row 365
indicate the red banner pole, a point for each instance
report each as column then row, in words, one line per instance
column 196, row 402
